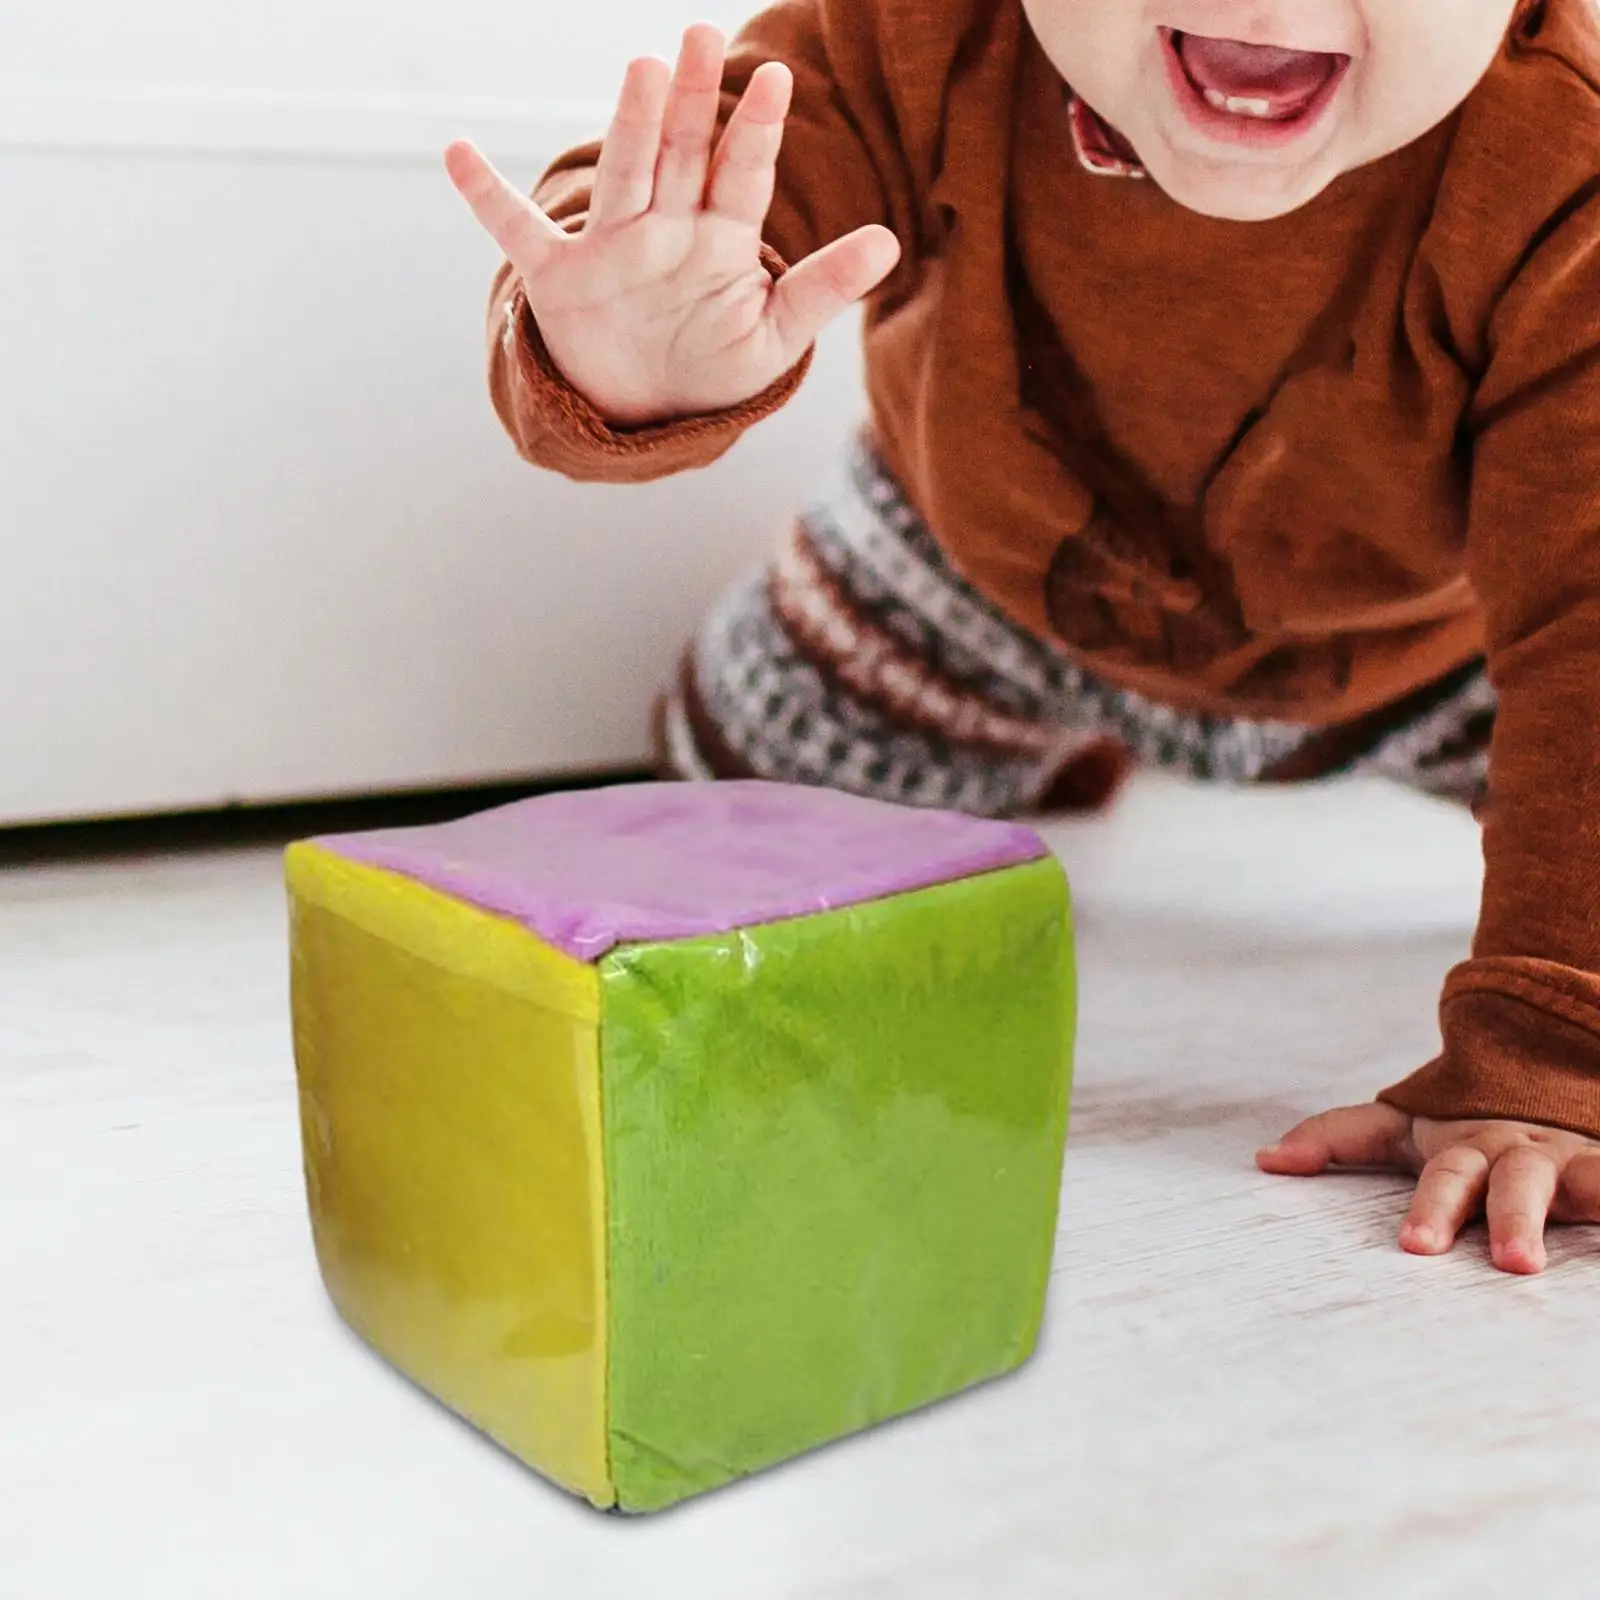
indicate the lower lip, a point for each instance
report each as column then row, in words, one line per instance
column 1248, row 133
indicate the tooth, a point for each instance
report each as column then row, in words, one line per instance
column 1239, row 105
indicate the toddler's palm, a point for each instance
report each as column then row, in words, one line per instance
column 661, row 306
column 663, row 316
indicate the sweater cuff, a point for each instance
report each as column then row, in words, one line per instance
column 559, row 428
column 1521, row 1043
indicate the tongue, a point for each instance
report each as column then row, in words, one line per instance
column 1287, row 80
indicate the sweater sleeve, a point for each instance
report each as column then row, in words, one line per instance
column 1521, row 1018
column 842, row 166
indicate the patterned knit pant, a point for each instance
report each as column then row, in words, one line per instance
column 861, row 661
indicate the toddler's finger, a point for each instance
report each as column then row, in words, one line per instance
column 689, row 122
column 744, row 169
column 1449, row 1192
column 1353, row 1136
column 1578, row 1198
column 625, row 175
column 1522, row 1184
column 511, row 219
column 809, row 296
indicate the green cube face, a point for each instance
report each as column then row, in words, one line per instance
column 655, row 1204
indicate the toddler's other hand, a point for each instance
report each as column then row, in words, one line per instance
column 1519, row 1173
column 661, row 307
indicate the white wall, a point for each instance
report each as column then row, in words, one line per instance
column 264, row 537
column 501, row 48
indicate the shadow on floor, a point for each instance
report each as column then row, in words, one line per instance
column 241, row 827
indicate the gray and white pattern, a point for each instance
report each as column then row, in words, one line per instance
column 862, row 660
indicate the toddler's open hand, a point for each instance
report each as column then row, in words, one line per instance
column 1519, row 1173
column 661, row 307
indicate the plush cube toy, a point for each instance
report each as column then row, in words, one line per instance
column 667, row 1131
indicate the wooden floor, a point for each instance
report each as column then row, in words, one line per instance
column 1245, row 1390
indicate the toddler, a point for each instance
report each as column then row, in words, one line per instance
column 1234, row 380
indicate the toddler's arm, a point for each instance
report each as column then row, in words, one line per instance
column 1521, row 1019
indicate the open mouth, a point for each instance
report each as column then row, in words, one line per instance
column 1250, row 94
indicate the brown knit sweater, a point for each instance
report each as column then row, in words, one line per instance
column 1292, row 469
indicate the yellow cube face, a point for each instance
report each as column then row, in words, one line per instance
column 462, row 1234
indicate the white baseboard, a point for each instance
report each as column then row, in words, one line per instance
column 134, row 119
